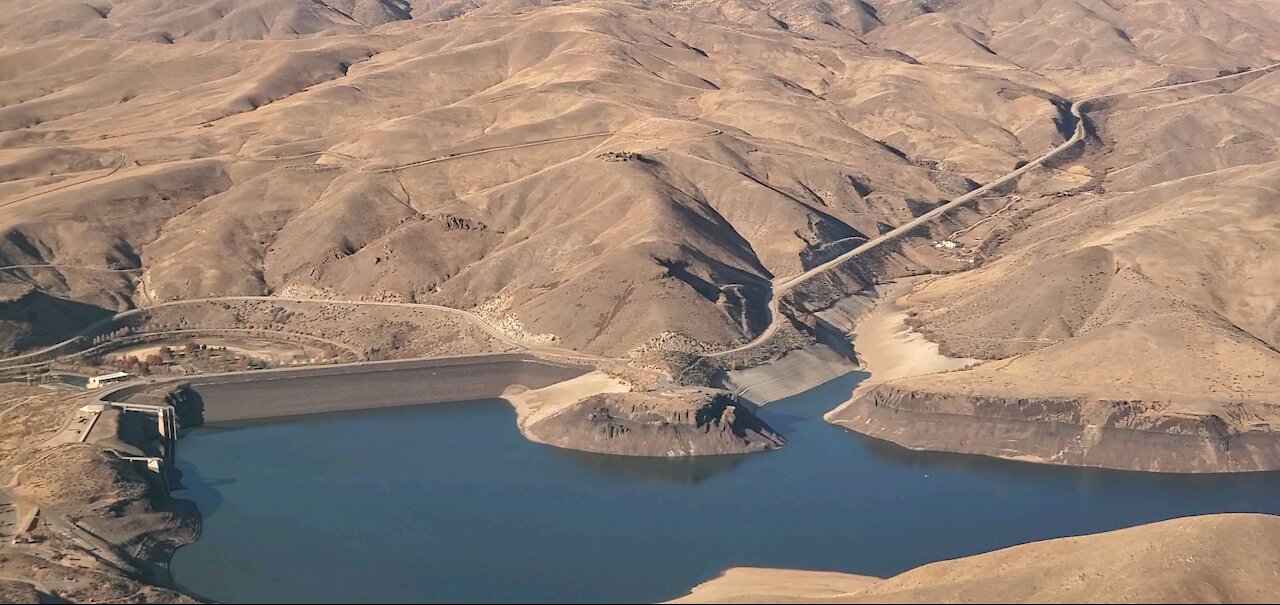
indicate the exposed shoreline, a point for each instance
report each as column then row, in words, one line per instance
column 761, row 584
column 1037, row 428
column 884, row 345
column 225, row 398
column 526, row 406
column 890, row 349
column 533, row 404
column 536, row 388
column 793, row 373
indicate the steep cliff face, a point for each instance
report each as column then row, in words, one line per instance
column 686, row 423
column 1146, row 435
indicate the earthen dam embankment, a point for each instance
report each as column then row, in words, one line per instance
column 266, row 394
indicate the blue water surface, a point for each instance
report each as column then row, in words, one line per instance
column 449, row 503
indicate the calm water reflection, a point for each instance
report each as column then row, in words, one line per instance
column 449, row 503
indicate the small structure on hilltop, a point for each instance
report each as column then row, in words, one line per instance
column 96, row 382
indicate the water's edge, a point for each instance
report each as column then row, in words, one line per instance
column 449, row 502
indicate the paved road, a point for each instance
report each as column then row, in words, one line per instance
column 472, row 318
column 785, row 285
column 162, row 335
column 469, row 316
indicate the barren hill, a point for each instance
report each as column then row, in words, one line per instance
column 620, row 177
column 603, row 172
column 1146, row 307
column 1209, row 559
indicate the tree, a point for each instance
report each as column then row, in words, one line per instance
column 166, row 354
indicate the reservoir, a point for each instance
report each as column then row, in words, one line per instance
column 448, row 502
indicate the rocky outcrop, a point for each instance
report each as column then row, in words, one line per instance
column 1077, row 431
column 687, row 422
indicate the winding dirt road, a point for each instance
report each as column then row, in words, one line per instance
column 120, row 162
column 73, row 267
column 351, row 161
column 470, row 317
column 784, row 285
column 781, row 285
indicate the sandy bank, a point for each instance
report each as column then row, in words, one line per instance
column 872, row 326
column 599, row 413
column 765, row 585
column 533, row 405
column 888, row 348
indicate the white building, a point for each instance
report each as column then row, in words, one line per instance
column 96, row 382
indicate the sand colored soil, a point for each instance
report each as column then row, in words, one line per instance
column 888, row 348
column 85, row 506
column 1134, row 326
column 276, row 352
column 1230, row 558
column 537, row 404
column 766, row 585
column 596, row 171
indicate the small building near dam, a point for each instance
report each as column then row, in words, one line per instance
column 96, row 382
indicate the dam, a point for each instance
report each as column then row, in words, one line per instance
column 449, row 503
column 264, row 394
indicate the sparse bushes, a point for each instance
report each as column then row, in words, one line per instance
column 622, row 156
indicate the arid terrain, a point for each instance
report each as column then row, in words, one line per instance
column 91, row 525
column 1047, row 228
column 663, row 182
column 1209, row 559
column 601, row 173
column 1146, row 306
